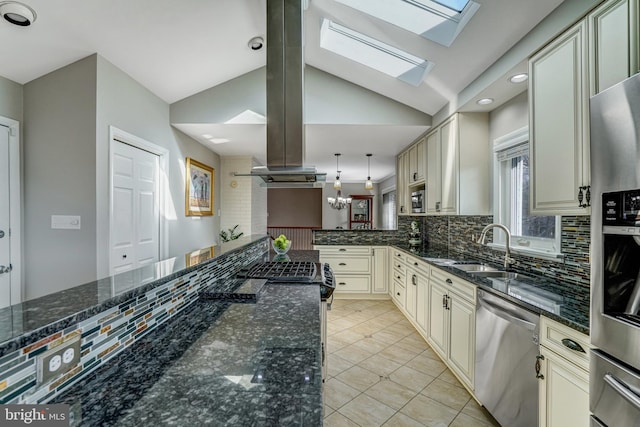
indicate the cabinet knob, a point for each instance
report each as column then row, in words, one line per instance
column 342, row 263
column 539, row 366
column 572, row 345
column 449, row 281
column 342, row 283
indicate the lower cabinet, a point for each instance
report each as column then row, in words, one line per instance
column 358, row 270
column 564, row 376
column 451, row 323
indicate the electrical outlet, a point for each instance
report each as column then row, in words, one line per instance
column 58, row 360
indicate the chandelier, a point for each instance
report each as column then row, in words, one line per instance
column 338, row 202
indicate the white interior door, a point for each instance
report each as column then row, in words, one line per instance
column 5, row 244
column 135, row 210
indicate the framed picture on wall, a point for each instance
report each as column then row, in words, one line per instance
column 199, row 189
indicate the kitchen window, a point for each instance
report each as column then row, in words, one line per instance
column 389, row 210
column 533, row 234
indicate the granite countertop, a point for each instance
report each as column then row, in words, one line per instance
column 561, row 303
column 215, row 363
column 36, row 318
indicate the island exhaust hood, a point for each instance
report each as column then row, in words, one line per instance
column 285, row 98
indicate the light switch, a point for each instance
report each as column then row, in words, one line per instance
column 65, row 222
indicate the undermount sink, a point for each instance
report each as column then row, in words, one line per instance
column 496, row 274
column 475, row 268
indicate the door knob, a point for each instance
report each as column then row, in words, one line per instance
column 5, row 269
column 1, row 234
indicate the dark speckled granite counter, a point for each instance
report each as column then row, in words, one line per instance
column 215, row 364
column 570, row 310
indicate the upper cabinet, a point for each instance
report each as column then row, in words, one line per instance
column 458, row 166
column 596, row 53
column 403, row 195
column 417, row 161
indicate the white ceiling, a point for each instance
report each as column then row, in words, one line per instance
column 179, row 48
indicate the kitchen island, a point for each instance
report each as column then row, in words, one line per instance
column 215, row 363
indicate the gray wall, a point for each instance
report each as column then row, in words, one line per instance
column 59, row 157
column 511, row 116
column 67, row 115
column 11, row 99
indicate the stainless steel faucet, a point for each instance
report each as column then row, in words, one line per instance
column 507, row 256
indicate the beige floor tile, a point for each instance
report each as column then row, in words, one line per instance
column 379, row 323
column 336, row 419
column 353, row 354
column 401, row 420
column 359, row 378
column 410, row 378
column 412, row 343
column 430, row 353
column 429, row 412
column 348, row 336
column 401, row 331
column 379, row 365
column 328, row 410
column 474, row 410
column 365, row 329
column 336, row 364
column 427, row 365
column 370, row 345
column 448, row 394
column 391, row 394
column 464, row 420
column 337, row 394
column 397, row 354
column 447, row 376
column 367, row 411
column 386, row 337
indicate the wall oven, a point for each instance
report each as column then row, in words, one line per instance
column 614, row 396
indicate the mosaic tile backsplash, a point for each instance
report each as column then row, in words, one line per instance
column 109, row 332
column 454, row 233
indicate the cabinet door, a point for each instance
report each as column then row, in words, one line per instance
column 559, row 140
column 402, row 189
column 433, row 173
column 422, row 303
column 462, row 321
column 609, row 45
column 417, row 161
column 448, row 166
column 564, row 393
column 437, row 323
column 380, row 270
column 412, row 290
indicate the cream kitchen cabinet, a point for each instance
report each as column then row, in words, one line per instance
column 458, row 166
column 613, row 43
column 398, row 280
column 403, row 196
column 359, row 271
column 564, row 376
column 558, row 128
column 451, row 323
column 417, row 162
column 596, row 53
column 380, row 269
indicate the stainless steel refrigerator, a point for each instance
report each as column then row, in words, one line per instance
column 615, row 255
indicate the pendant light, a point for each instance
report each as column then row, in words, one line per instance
column 337, row 185
column 368, row 185
column 338, row 202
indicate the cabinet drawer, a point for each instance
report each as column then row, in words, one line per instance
column 398, row 293
column 333, row 250
column 398, row 266
column 351, row 264
column 459, row 286
column 399, row 276
column 562, row 339
column 418, row 265
column 398, row 255
column 352, row 283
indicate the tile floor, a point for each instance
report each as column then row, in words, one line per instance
column 382, row 373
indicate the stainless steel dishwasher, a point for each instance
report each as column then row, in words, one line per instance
column 505, row 369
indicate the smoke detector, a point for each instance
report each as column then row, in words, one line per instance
column 17, row 13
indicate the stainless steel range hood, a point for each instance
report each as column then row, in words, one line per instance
column 285, row 97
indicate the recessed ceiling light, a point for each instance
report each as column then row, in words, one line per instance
column 256, row 43
column 17, row 13
column 519, row 78
column 484, row 101
column 219, row 140
column 206, row 135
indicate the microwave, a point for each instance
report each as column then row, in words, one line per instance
column 418, row 202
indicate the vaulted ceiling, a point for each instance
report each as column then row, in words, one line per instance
column 179, row 48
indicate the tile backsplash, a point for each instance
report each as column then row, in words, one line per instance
column 109, row 332
column 454, row 233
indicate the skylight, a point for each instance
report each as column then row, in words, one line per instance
column 373, row 53
column 437, row 20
